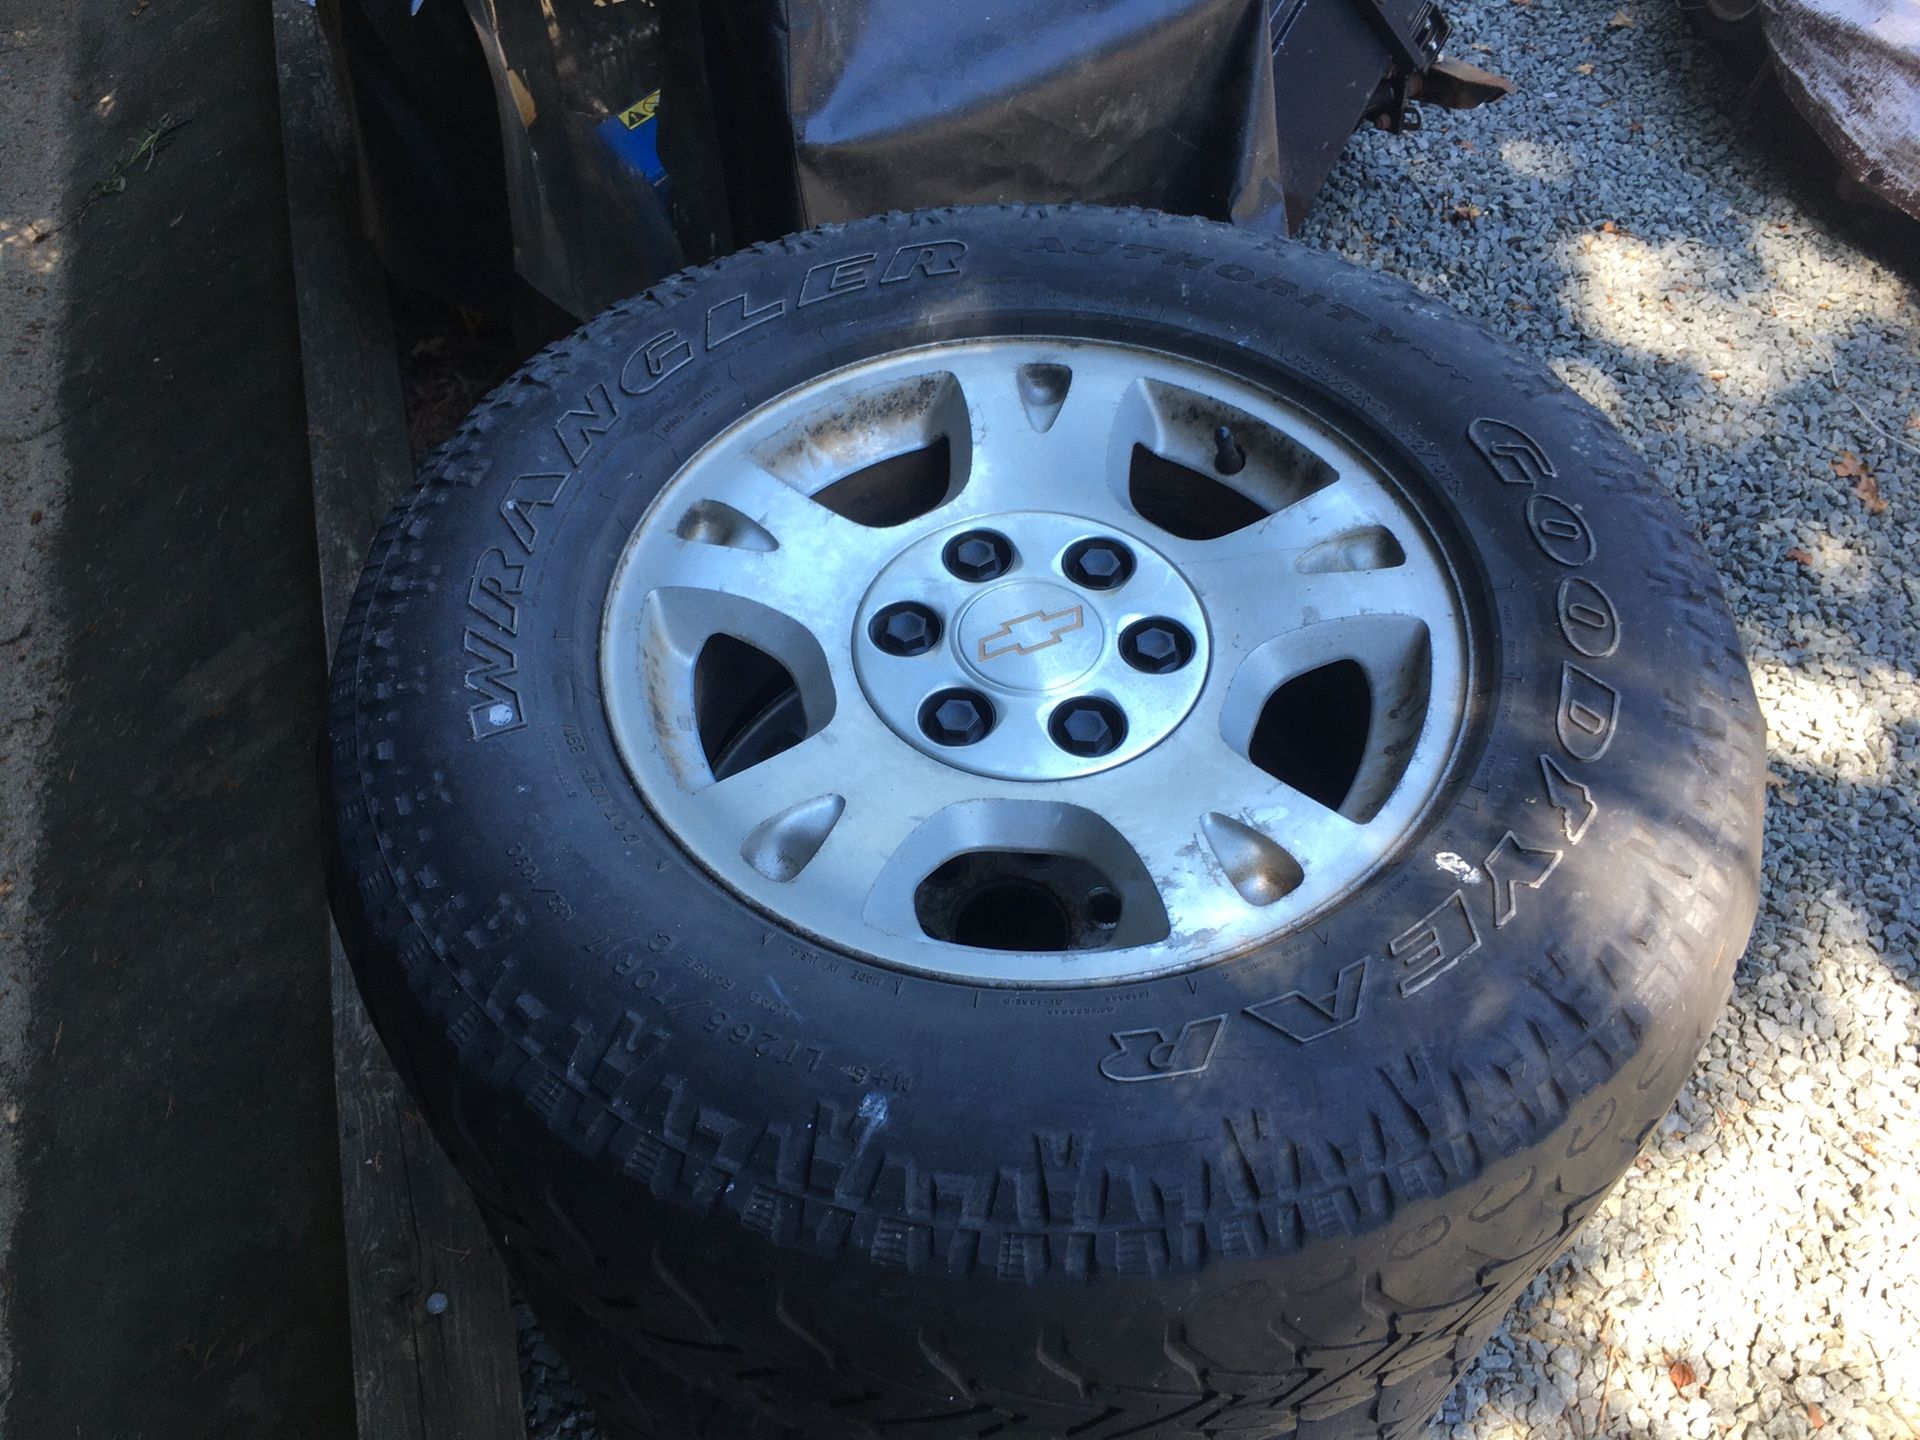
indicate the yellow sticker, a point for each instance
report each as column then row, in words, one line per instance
column 634, row 116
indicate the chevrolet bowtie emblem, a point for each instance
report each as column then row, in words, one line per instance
column 1035, row 630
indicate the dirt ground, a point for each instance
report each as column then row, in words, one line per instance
column 169, row 1172
column 36, row 114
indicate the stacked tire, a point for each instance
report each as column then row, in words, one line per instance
column 1250, row 1157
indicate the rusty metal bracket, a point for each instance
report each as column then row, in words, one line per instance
column 1456, row 85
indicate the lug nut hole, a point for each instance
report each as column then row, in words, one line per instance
column 1103, row 908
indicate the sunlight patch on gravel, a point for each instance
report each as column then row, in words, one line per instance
column 1757, row 1274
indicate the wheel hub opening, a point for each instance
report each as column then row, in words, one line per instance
column 1019, row 901
column 747, row 704
column 1218, row 469
column 1312, row 732
column 893, row 491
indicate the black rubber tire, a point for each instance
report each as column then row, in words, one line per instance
column 1737, row 33
column 1311, row 1232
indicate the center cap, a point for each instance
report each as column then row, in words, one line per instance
column 1010, row 658
column 1029, row 635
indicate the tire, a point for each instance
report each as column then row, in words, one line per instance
column 1736, row 29
column 774, row 1186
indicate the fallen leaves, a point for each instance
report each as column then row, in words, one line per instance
column 1465, row 213
column 1681, row 1374
column 1585, row 69
column 1816, row 1417
column 1799, row 556
column 1621, row 21
column 1849, row 466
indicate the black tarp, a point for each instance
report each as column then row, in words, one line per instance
column 774, row 115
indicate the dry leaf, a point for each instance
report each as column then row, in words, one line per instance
column 1681, row 1374
column 1800, row 556
column 1465, row 213
column 1816, row 1417
column 1586, row 69
column 1849, row 466
column 1621, row 21
column 1607, row 227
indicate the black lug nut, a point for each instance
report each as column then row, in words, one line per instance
column 956, row 717
column 978, row 555
column 1087, row 726
column 1100, row 564
column 905, row 629
column 1158, row 646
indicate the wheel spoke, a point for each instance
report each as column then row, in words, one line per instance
column 1318, row 618
column 1047, row 434
column 887, row 790
column 814, row 572
column 1283, row 538
column 1238, row 837
column 1321, row 559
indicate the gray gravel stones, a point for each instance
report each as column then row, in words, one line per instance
column 1627, row 225
column 1757, row 1274
column 556, row 1408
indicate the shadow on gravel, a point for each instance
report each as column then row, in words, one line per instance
column 1626, row 218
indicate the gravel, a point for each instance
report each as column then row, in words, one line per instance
column 1758, row 1272
column 1625, row 216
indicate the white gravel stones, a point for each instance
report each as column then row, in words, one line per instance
column 1632, row 226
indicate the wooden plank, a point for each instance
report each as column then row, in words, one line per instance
column 434, row 1347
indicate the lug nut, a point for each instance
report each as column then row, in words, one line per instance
column 1098, row 564
column 905, row 629
column 1087, row 726
column 1158, row 646
column 978, row 555
column 956, row 717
